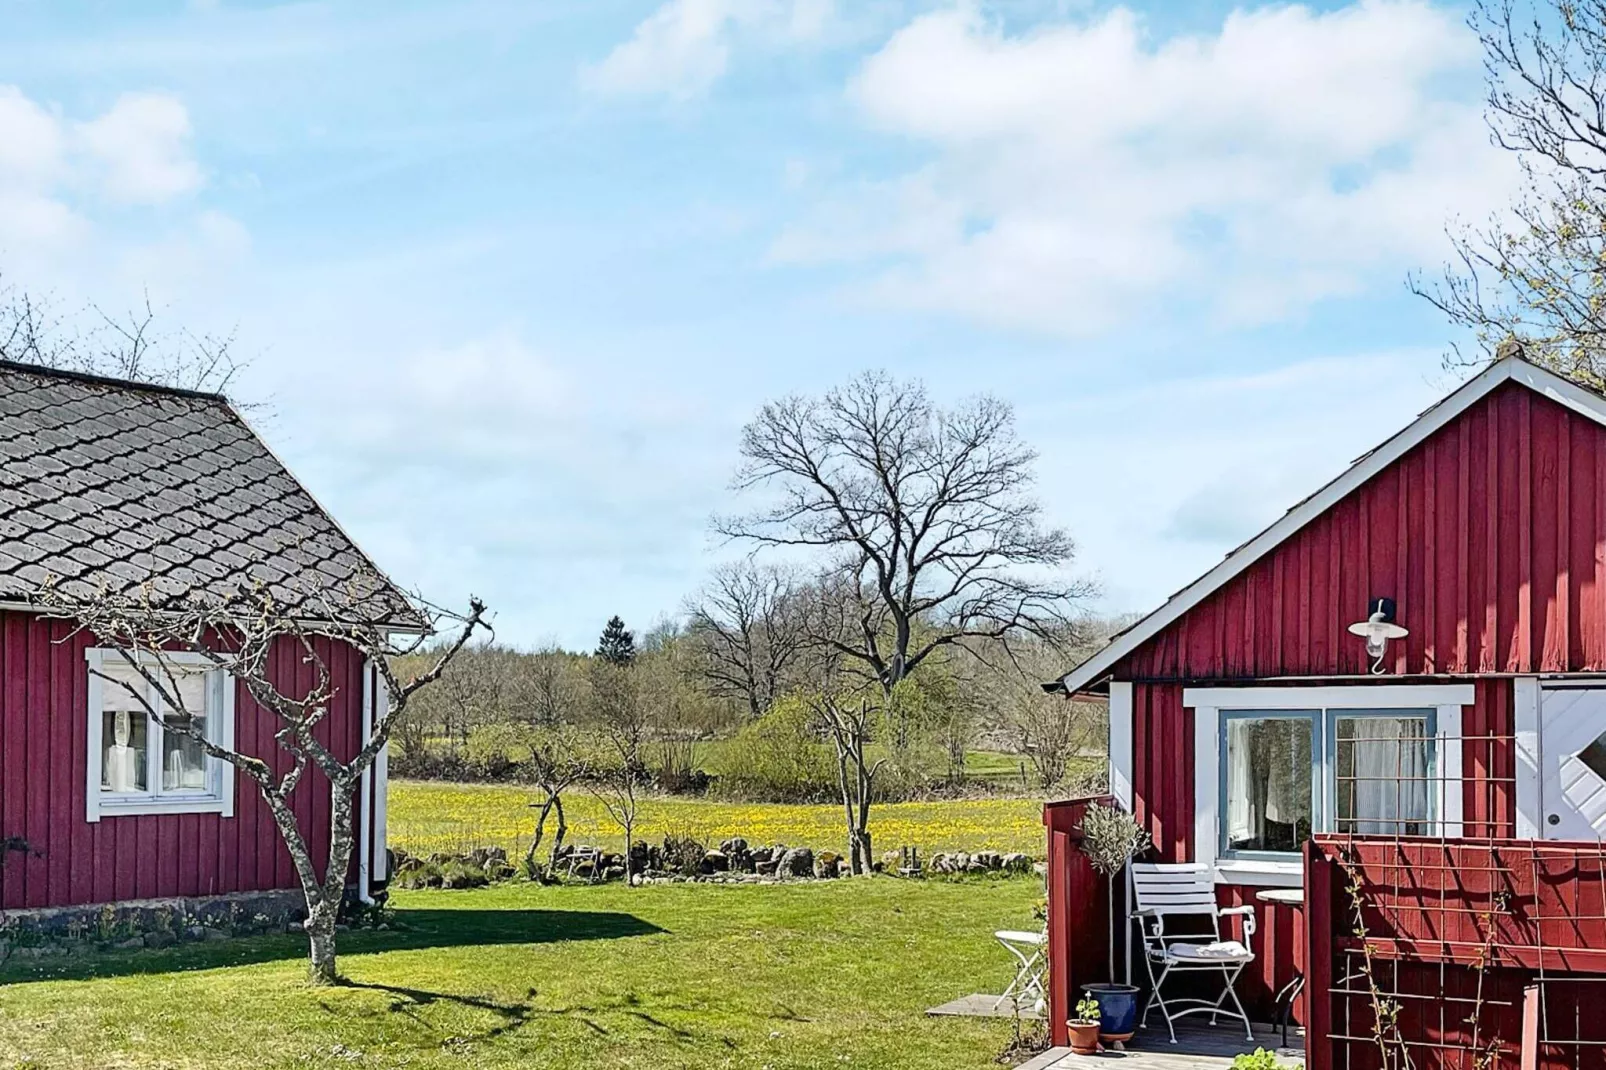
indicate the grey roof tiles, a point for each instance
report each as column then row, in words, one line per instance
column 108, row 485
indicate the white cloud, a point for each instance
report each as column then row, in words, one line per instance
column 31, row 142
column 52, row 170
column 684, row 47
column 1080, row 170
column 141, row 148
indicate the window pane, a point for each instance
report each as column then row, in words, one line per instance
column 1268, row 782
column 124, row 730
column 183, row 760
column 1382, row 774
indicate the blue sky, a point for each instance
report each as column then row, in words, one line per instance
column 512, row 275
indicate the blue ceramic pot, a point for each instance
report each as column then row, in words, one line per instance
column 1118, row 1010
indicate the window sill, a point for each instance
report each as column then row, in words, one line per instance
column 206, row 804
column 1260, row 873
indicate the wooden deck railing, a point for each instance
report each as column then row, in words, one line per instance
column 1472, row 955
column 1078, row 917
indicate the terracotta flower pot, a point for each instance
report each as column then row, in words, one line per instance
column 1085, row 1038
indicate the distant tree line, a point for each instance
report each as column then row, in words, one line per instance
column 899, row 605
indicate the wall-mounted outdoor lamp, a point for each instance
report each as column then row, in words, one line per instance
column 1377, row 629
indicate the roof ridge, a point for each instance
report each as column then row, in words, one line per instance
column 50, row 372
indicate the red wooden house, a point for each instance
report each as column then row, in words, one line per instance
column 112, row 484
column 1246, row 717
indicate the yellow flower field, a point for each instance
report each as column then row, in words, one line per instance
column 426, row 816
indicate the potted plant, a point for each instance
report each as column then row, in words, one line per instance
column 1085, row 1027
column 1110, row 839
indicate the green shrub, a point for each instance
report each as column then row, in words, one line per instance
column 1260, row 1059
column 779, row 758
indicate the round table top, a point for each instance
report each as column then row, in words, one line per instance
column 1289, row 897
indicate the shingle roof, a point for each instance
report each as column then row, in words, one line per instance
column 107, row 485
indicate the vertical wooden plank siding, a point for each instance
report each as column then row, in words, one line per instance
column 1078, row 912
column 44, row 763
column 1490, row 535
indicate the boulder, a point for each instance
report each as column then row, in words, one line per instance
column 160, row 939
column 715, row 862
column 891, row 861
column 613, row 873
column 827, row 864
column 1016, row 863
column 796, row 862
column 988, row 860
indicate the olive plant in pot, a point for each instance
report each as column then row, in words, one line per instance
column 1084, row 1026
column 1111, row 837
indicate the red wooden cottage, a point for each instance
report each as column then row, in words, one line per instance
column 1245, row 716
column 113, row 484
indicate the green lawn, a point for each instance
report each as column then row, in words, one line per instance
column 806, row 975
column 425, row 816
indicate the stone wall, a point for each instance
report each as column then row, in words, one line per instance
column 43, row 931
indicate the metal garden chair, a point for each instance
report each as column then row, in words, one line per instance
column 1027, row 949
column 1163, row 892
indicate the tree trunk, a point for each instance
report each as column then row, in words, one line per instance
column 558, row 837
column 535, row 842
column 320, row 926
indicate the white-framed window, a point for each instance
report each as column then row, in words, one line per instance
column 1275, row 764
column 138, row 765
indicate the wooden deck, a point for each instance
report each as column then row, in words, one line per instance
column 1197, row 1048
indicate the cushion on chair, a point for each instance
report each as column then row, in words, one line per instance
column 1220, row 951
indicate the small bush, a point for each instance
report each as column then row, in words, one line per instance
column 779, row 758
column 683, row 855
column 1260, row 1059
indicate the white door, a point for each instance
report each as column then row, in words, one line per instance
column 1572, row 749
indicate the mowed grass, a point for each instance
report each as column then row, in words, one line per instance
column 808, row 975
column 426, row 816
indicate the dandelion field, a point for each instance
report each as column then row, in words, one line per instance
column 427, row 816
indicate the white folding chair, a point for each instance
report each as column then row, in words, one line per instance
column 1027, row 948
column 1162, row 892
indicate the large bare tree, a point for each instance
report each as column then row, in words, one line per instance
column 925, row 517
column 1534, row 276
column 162, row 639
column 748, row 626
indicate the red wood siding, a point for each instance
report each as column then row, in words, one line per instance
column 1163, row 794
column 1454, row 934
column 43, row 768
column 1490, row 535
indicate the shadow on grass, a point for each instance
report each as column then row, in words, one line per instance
column 418, row 930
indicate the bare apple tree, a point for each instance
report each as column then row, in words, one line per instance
column 1529, row 279
column 131, row 345
column 923, row 516
column 161, row 638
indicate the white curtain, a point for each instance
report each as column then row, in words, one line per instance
column 1241, row 818
column 1268, row 779
column 1389, row 790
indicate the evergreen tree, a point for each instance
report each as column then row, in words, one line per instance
column 618, row 644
